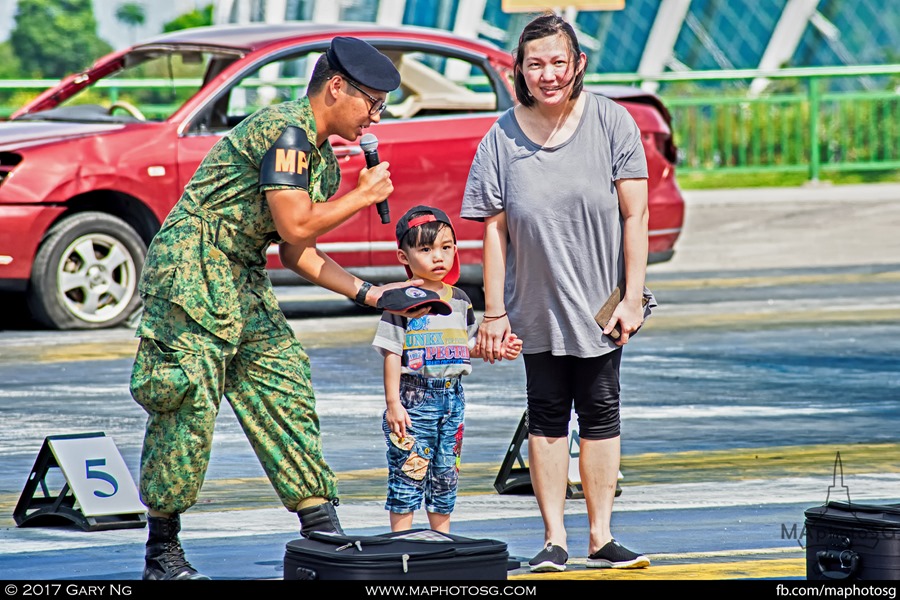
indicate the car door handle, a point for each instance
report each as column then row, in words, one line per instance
column 342, row 151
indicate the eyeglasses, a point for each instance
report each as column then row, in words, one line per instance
column 375, row 109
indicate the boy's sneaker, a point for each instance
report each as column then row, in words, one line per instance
column 616, row 556
column 551, row 558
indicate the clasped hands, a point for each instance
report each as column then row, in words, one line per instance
column 496, row 341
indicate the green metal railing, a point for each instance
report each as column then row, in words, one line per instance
column 797, row 125
column 794, row 126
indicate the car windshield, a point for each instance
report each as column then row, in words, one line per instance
column 149, row 84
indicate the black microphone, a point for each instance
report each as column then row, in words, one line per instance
column 369, row 144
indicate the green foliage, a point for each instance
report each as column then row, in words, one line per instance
column 9, row 64
column 195, row 18
column 10, row 99
column 772, row 133
column 53, row 38
column 713, row 180
column 131, row 14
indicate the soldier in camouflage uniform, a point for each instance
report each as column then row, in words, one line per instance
column 212, row 325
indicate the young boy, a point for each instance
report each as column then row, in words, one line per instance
column 424, row 360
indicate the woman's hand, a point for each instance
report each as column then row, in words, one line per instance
column 489, row 344
column 629, row 314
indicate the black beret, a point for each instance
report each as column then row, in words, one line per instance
column 362, row 63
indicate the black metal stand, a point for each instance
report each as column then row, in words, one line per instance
column 61, row 509
column 514, row 476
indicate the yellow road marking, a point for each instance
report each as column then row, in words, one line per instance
column 767, row 318
column 773, row 281
column 360, row 330
column 91, row 351
column 640, row 469
column 774, row 568
column 759, row 463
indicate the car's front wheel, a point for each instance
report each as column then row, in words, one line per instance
column 85, row 274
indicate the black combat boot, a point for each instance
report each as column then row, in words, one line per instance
column 165, row 557
column 322, row 517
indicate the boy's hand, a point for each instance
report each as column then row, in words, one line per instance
column 397, row 419
column 512, row 347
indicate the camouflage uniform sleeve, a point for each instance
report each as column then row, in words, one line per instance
column 258, row 136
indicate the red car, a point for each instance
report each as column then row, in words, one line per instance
column 90, row 168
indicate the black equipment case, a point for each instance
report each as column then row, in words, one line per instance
column 853, row 542
column 419, row 554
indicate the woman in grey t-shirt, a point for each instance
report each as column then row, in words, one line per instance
column 560, row 182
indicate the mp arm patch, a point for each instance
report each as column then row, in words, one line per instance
column 286, row 162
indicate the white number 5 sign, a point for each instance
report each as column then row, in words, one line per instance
column 97, row 475
column 99, row 492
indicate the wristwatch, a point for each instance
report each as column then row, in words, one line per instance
column 361, row 294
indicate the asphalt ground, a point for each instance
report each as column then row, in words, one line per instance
column 718, row 513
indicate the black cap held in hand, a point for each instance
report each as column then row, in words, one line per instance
column 362, row 63
column 410, row 297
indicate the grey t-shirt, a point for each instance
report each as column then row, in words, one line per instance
column 564, row 252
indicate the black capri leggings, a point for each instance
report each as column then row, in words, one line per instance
column 555, row 383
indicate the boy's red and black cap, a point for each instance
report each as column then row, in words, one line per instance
column 427, row 214
column 410, row 297
column 363, row 63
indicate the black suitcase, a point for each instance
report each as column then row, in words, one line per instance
column 415, row 554
column 853, row 542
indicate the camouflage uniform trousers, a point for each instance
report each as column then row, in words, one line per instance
column 180, row 374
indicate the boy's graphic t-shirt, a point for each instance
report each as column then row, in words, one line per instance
column 432, row 345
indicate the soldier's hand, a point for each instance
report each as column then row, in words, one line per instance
column 413, row 313
column 376, row 183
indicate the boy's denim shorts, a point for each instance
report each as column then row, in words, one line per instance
column 425, row 464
